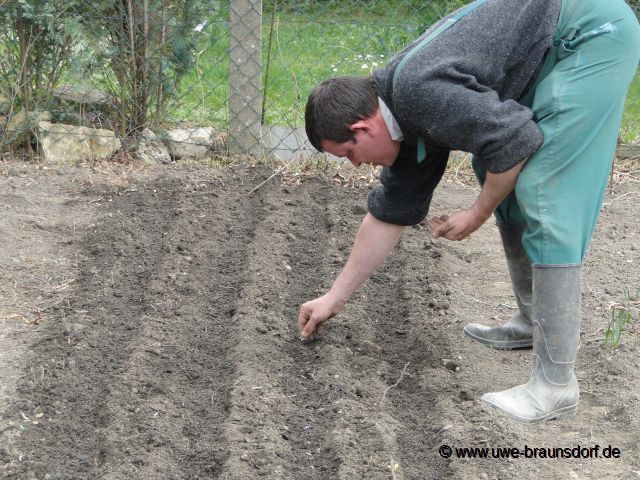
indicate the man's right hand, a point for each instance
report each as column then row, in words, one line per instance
column 314, row 313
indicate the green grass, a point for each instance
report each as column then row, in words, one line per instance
column 331, row 49
column 303, row 52
column 630, row 130
column 621, row 317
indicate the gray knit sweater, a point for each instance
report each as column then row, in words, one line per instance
column 460, row 92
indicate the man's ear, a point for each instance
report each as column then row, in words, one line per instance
column 363, row 124
column 369, row 124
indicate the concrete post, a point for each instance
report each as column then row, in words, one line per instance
column 245, row 131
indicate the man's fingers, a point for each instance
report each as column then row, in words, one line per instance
column 451, row 232
column 443, row 230
column 435, row 224
column 309, row 328
column 454, row 234
column 312, row 316
column 303, row 318
column 440, row 226
column 458, row 234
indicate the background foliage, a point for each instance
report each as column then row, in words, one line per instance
column 165, row 62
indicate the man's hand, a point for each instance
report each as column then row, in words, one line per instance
column 462, row 224
column 313, row 314
column 458, row 226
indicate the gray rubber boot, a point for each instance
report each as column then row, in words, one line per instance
column 517, row 332
column 552, row 391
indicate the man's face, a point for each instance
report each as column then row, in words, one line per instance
column 372, row 144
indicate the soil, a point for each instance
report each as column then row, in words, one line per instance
column 148, row 330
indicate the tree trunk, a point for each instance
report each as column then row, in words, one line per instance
column 24, row 62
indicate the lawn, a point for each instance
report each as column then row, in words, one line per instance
column 631, row 119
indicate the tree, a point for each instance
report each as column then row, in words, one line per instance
column 138, row 50
column 35, row 43
column 148, row 46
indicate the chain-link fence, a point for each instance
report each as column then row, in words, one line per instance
column 165, row 79
column 628, row 155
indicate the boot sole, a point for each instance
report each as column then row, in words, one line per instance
column 563, row 413
column 500, row 344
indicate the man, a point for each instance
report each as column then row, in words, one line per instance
column 535, row 90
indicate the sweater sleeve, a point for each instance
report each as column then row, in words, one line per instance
column 458, row 112
column 404, row 196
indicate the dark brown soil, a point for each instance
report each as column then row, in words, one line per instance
column 148, row 330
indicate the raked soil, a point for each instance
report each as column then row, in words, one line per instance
column 148, row 331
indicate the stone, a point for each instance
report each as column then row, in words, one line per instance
column 262, row 329
column 151, row 149
column 465, row 394
column 60, row 143
column 194, row 143
column 21, row 124
column 81, row 96
column 628, row 150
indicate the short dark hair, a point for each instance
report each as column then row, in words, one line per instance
column 336, row 104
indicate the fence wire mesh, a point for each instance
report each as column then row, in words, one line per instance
column 165, row 79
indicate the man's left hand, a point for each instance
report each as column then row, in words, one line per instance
column 457, row 226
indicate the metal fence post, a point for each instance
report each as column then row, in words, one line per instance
column 245, row 131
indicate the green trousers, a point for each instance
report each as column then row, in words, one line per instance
column 577, row 101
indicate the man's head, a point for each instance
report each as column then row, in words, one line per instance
column 343, row 118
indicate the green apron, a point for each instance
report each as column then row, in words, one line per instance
column 577, row 101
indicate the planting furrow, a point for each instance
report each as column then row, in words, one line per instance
column 84, row 346
column 406, row 323
column 364, row 431
column 311, row 375
column 341, row 429
column 256, row 430
column 139, row 357
column 210, row 366
column 169, row 406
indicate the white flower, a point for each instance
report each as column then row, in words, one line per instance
column 364, row 66
column 374, row 64
column 335, row 69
